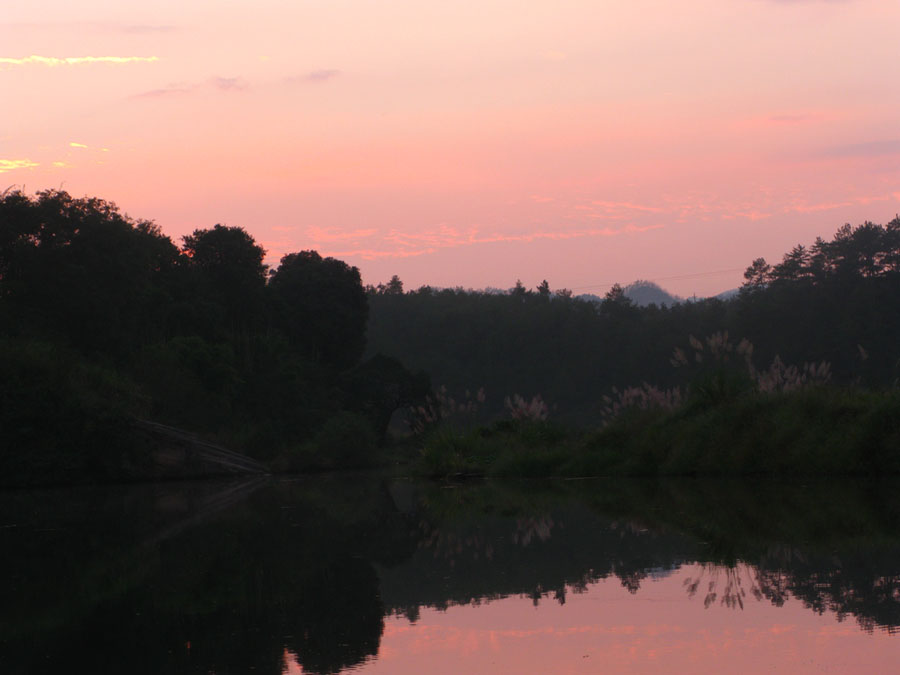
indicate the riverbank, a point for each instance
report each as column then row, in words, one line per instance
column 814, row 431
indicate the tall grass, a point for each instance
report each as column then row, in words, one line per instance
column 732, row 418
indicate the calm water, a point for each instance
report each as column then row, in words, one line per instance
column 372, row 574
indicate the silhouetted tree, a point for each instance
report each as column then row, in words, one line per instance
column 380, row 386
column 394, row 286
column 757, row 275
column 229, row 269
column 321, row 306
column 79, row 270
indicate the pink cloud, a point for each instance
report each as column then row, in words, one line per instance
column 416, row 244
column 323, row 234
column 813, row 208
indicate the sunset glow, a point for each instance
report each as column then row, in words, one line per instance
column 469, row 143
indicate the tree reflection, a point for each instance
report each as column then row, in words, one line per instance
column 310, row 570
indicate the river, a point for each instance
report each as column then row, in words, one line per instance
column 373, row 573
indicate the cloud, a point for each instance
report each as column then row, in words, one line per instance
column 73, row 144
column 752, row 214
column 176, row 89
column 54, row 61
column 869, row 149
column 13, row 164
column 372, row 254
column 411, row 244
column 805, row 207
column 316, row 76
column 322, row 234
column 814, row 208
column 229, row 83
column 61, row 165
column 627, row 206
column 181, row 88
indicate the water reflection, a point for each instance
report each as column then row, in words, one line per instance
column 232, row 577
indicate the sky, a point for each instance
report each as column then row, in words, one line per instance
column 471, row 144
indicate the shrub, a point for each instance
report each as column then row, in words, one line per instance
column 345, row 441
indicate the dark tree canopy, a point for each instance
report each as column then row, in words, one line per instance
column 863, row 252
column 197, row 337
column 79, row 267
column 228, row 266
column 322, row 307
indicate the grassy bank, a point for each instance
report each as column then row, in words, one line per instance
column 813, row 431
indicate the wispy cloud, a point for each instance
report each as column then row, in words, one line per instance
column 315, row 76
column 814, row 208
column 73, row 144
column 13, row 164
column 176, row 89
column 626, row 206
column 410, row 244
column 229, row 83
column 752, row 214
column 869, row 149
column 54, row 61
column 805, row 207
column 232, row 84
column 322, row 234
column 374, row 254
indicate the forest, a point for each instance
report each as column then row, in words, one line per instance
column 104, row 320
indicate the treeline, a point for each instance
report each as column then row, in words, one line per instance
column 104, row 319
column 835, row 302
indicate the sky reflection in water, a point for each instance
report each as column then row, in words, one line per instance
column 659, row 629
column 371, row 574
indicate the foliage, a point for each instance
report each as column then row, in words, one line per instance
column 201, row 335
column 380, row 386
column 439, row 408
column 62, row 418
column 345, row 441
column 813, row 430
column 321, row 307
column 105, row 319
column 228, row 270
column 520, row 409
column 836, row 306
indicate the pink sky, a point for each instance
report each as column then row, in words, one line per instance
column 468, row 143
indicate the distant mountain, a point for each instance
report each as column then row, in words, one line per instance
column 643, row 293
column 727, row 295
